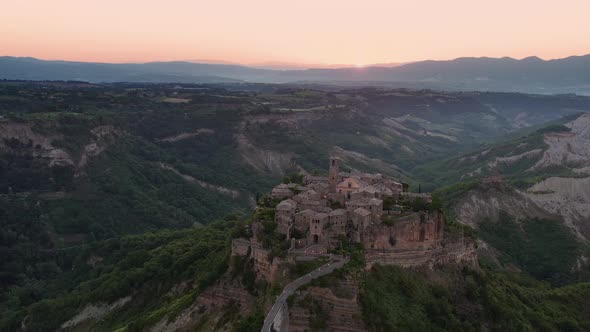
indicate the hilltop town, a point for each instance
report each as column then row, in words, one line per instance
column 315, row 215
column 308, row 217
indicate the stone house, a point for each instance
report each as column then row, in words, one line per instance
column 316, row 228
column 360, row 220
column 284, row 214
column 281, row 191
column 366, row 192
column 314, row 205
column 302, row 220
column 338, row 219
column 373, row 205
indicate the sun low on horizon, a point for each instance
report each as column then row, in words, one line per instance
column 323, row 33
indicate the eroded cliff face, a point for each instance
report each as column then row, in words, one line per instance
column 209, row 307
column 335, row 308
column 264, row 160
column 251, row 249
column 44, row 142
column 20, row 138
column 453, row 251
column 570, row 148
column 487, row 201
column 100, row 139
column 558, row 198
column 348, row 157
column 95, row 312
column 567, row 197
column 538, row 153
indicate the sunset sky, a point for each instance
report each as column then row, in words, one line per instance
column 303, row 31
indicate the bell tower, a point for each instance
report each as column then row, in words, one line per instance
column 333, row 174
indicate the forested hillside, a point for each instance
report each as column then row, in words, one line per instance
column 118, row 201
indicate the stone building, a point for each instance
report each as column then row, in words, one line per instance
column 373, row 205
column 333, row 174
column 302, row 220
column 348, row 186
column 316, row 228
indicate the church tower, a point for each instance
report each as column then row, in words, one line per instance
column 333, row 176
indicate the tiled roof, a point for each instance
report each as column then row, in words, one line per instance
column 363, row 212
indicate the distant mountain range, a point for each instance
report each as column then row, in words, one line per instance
column 532, row 74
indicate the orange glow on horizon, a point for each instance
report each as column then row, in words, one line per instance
column 304, row 32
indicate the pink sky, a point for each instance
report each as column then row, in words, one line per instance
column 298, row 31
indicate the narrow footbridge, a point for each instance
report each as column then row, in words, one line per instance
column 278, row 316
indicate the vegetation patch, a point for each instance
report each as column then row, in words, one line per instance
column 470, row 300
column 144, row 266
column 544, row 248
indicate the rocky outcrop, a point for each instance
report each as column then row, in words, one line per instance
column 222, row 190
column 264, row 267
column 568, row 148
column 183, row 136
column 95, row 312
column 102, row 137
column 513, row 159
column 566, row 197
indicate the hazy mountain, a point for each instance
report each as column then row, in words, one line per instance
column 568, row 75
column 35, row 69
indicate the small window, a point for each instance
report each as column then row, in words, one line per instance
column 349, row 184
